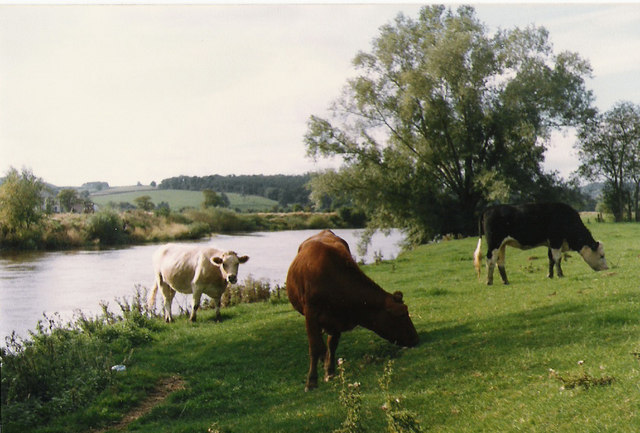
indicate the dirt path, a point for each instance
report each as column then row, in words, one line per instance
column 165, row 387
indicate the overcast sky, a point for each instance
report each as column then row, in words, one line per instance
column 127, row 94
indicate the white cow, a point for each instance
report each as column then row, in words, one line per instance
column 193, row 269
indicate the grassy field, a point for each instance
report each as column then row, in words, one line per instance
column 179, row 199
column 538, row 355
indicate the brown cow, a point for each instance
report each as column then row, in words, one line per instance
column 326, row 286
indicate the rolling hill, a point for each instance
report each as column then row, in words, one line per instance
column 178, row 199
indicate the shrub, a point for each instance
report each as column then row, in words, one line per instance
column 251, row 290
column 106, row 227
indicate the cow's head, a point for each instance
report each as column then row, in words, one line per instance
column 228, row 264
column 594, row 257
column 393, row 323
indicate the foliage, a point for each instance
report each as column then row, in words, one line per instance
column 20, row 207
column 106, row 227
column 68, row 198
column 399, row 420
column 444, row 118
column 350, row 397
column 144, row 202
column 250, row 291
column 609, row 149
column 61, row 367
column 212, row 199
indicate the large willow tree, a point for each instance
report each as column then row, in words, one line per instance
column 443, row 118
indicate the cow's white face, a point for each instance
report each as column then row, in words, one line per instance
column 228, row 265
column 594, row 258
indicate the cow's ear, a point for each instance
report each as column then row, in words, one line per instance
column 216, row 260
column 397, row 296
column 243, row 259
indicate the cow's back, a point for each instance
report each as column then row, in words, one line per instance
column 324, row 277
column 178, row 264
column 533, row 223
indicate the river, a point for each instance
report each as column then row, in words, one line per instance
column 37, row 283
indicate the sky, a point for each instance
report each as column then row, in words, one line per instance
column 128, row 93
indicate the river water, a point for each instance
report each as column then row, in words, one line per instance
column 33, row 284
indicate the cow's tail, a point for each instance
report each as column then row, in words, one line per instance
column 477, row 254
column 477, row 258
column 151, row 303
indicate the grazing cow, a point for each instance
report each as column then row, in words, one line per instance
column 193, row 269
column 326, row 286
column 554, row 225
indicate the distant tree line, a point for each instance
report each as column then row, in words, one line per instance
column 285, row 189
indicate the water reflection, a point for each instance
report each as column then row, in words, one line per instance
column 34, row 283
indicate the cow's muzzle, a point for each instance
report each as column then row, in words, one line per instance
column 232, row 279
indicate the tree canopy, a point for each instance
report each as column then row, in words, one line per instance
column 609, row 150
column 20, row 204
column 444, row 118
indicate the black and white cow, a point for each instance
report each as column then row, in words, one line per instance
column 554, row 225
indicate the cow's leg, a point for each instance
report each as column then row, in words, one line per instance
column 330, row 358
column 195, row 303
column 167, row 293
column 492, row 257
column 216, row 297
column 317, row 350
column 216, row 301
column 555, row 257
column 501, row 260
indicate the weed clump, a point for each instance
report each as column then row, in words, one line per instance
column 250, row 291
column 351, row 398
column 580, row 379
column 399, row 420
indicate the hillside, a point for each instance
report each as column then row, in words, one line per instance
column 179, row 199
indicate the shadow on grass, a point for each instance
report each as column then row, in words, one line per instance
column 476, row 344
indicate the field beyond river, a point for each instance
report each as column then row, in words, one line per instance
column 538, row 355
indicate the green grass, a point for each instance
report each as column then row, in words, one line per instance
column 179, row 199
column 482, row 365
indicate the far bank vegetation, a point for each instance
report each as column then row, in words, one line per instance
column 29, row 220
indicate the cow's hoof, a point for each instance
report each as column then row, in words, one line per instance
column 328, row 377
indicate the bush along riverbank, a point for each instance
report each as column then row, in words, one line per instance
column 109, row 228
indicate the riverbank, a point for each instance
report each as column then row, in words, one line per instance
column 538, row 355
column 34, row 282
column 109, row 228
